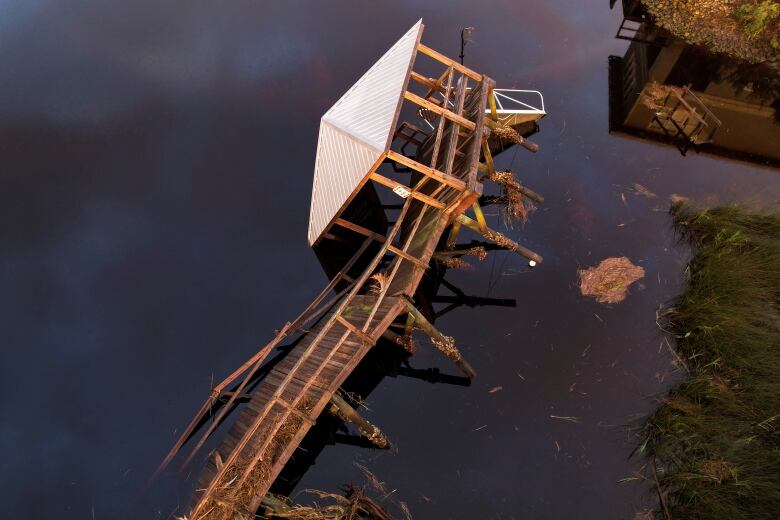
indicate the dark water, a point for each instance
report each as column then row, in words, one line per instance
column 155, row 171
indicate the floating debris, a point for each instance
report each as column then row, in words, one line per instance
column 609, row 281
column 573, row 419
column 641, row 190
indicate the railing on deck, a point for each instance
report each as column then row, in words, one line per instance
column 515, row 101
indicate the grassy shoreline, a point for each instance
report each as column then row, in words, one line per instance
column 716, row 437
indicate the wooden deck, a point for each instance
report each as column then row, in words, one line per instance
column 286, row 404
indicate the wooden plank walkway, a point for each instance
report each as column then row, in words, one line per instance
column 287, row 401
column 285, row 405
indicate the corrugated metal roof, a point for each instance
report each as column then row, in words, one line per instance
column 342, row 162
column 357, row 130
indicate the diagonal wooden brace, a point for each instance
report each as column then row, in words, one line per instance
column 499, row 238
column 444, row 343
column 342, row 409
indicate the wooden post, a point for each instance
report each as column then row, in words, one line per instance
column 406, row 342
column 341, row 409
column 444, row 343
column 274, row 506
column 499, row 239
column 509, row 131
column 484, row 168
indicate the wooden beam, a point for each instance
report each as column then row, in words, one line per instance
column 342, row 409
column 440, row 126
column 528, row 192
column 444, row 343
column 437, row 175
column 437, row 109
column 492, row 105
column 447, row 61
column 390, row 183
column 365, row 338
column 480, row 216
column 359, row 229
column 517, row 138
column 238, row 396
column 407, row 256
column 499, row 238
column 440, row 82
column 428, row 82
column 405, row 342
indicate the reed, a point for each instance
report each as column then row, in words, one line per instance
column 716, row 437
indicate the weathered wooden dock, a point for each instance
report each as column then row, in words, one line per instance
column 374, row 263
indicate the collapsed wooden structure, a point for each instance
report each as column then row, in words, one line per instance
column 387, row 198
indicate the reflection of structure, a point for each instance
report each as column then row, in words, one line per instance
column 669, row 92
column 388, row 197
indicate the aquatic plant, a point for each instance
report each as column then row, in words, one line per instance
column 716, row 436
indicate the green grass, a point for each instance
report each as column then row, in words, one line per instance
column 756, row 18
column 716, row 437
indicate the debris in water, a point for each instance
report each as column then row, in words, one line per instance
column 575, row 420
column 495, row 389
column 641, row 190
column 609, row 281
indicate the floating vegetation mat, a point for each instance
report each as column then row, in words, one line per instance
column 715, row 439
column 608, row 282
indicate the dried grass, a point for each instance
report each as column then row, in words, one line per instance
column 501, row 240
column 447, row 345
column 378, row 283
column 232, row 498
column 609, row 281
column 406, row 342
column 518, row 206
column 452, row 262
column 508, row 133
column 355, row 504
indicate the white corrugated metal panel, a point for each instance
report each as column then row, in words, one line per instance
column 367, row 110
column 357, row 130
column 342, row 162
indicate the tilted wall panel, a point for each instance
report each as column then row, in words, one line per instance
column 342, row 162
column 357, row 130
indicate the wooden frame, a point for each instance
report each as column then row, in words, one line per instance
column 433, row 200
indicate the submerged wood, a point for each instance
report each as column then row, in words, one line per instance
column 510, row 134
column 444, row 343
column 342, row 409
column 499, row 239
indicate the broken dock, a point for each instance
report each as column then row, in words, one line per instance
column 389, row 197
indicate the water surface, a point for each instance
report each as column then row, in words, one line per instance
column 155, row 167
